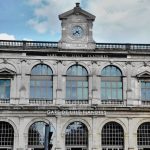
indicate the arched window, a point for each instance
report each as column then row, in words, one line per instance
column 36, row 135
column 111, row 84
column 41, row 84
column 143, row 136
column 6, row 135
column 112, row 136
column 76, row 136
column 77, row 85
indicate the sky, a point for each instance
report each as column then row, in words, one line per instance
column 117, row 21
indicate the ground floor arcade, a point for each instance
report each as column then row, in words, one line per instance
column 109, row 130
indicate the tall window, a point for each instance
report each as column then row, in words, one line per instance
column 145, row 90
column 77, row 84
column 111, row 83
column 112, row 136
column 6, row 136
column 5, row 89
column 76, row 136
column 143, row 136
column 41, row 84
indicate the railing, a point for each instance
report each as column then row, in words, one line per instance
column 113, row 102
column 122, row 46
column 4, row 100
column 40, row 101
column 25, row 45
column 145, row 103
column 77, row 101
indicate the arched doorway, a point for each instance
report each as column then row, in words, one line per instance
column 112, row 136
column 36, row 135
column 76, row 136
column 143, row 136
column 6, row 136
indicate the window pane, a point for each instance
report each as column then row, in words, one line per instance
column 68, row 93
column 108, row 94
column 119, row 84
column 120, row 94
column 79, row 69
column 85, row 84
column 80, row 83
column 111, row 71
column 114, row 96
column 32, row 92
column 145, row 90
column 4, row 88
column 103, row 94
column 74, row 84
column 108, row 84
column 85, row 93
column 102, row 84
column 49, row 94
column 79, row 91
column 41, row 69
column 74, row 93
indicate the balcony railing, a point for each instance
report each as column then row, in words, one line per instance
column 123, row 46
column 4, row 100
column 27, row 45
column 145, row 103
column 77, row 101
column 113, row 102
column 40, row 101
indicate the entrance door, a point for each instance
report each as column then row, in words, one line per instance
column 76, row 148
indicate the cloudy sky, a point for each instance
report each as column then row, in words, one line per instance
column 123, row 21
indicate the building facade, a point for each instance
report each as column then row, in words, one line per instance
column 94, row 96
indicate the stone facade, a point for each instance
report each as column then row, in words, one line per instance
column 17, row 59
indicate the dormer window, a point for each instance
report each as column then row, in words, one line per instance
column 5, row 89
column 144, row 79
column 5, row 84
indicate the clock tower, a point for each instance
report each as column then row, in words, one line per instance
column 77, row 29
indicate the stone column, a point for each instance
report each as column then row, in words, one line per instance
column 59, row 140
column 131, row 136
column 129, row 87
column 96, row 135
column 95, row 83
column 59, row 83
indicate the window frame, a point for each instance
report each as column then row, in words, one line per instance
column 117, row 132
column 112, row 84
column 41, row 79
column 7, row 100
column 82, row 133
column 11, row 136
column 77, row 80
column 141, row 143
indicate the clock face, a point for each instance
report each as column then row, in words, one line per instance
column 77, row 32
